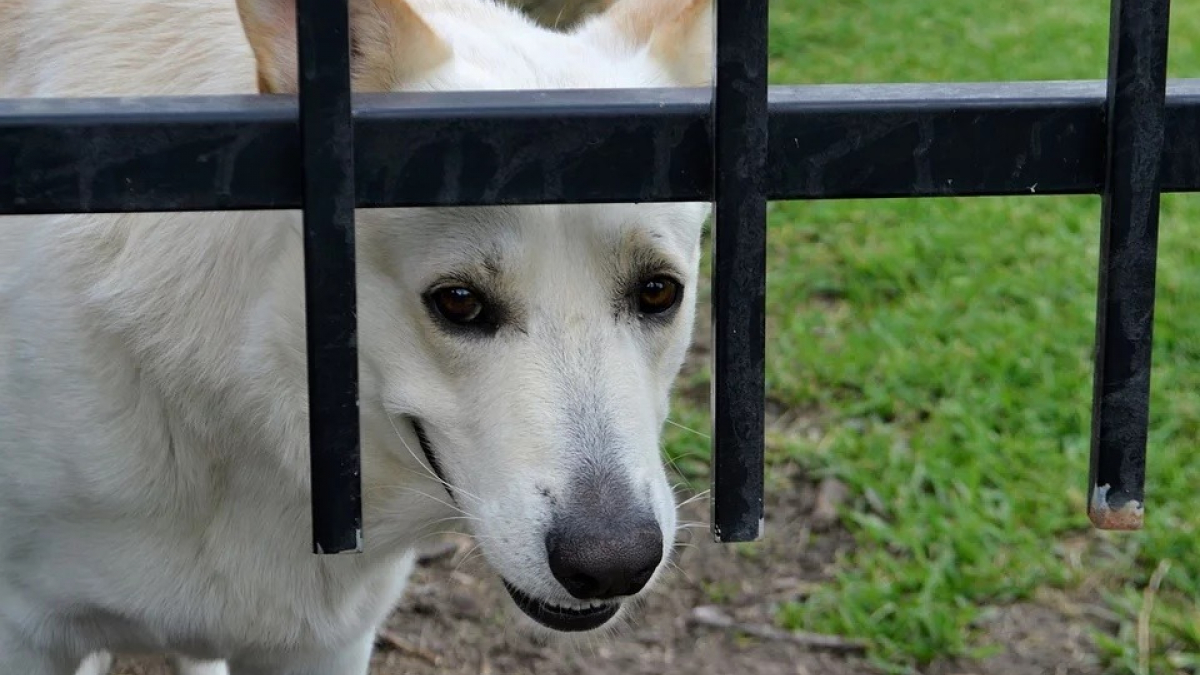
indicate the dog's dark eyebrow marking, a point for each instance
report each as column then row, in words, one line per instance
column 640, row 257
column 477, row 266
column 465, row 276
column 643, row 264
column 641, row 252
column 651, row 262
column 491, row 265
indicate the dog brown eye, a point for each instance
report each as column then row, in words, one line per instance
column 658, row 295
column 457, row 304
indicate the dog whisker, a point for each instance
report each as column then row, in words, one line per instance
column 674, row 567
column 474, row 552
column 461, row 514
column 428, row 469
column 450, row 532
column 450, row 518
column 426, row 474
column 701, row 434
column 425, row 534
column 674, row 466
column 443, row 502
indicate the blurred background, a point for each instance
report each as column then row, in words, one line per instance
column 929, row 373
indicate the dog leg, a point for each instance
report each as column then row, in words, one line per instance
column 352, row 660
column 186, row 666
column 97, row 663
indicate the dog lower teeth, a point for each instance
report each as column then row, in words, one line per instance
column 560, row 617
column 583, row 609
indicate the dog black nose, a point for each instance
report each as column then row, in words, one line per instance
column 597, row 559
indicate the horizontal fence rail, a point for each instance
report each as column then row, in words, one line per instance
column 826, row 142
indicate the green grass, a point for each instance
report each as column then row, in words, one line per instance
column 945, row 345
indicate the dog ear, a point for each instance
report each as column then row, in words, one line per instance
column 389, row 42
column 678, row 33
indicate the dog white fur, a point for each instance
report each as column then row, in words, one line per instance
column 153, row 425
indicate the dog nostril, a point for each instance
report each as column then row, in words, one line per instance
column 642, row 577
column 581, row 584
column 596, row 563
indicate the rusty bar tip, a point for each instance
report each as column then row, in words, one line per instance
column 1127, row 516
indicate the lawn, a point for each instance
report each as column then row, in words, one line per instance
column 943, row 349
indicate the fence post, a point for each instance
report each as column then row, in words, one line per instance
column 1136, row 114
column 739, row 268
column 327, row 142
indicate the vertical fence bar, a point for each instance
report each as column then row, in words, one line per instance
column 323, row 33
column 1137, row 76
column 739, row 268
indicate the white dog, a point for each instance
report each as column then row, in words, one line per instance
column 516, row 363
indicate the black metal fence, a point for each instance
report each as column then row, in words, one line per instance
column 329, row 152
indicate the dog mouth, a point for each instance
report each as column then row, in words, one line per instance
column 430, row 456
column 559, row 618
column 555, row 617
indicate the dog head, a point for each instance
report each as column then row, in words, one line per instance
column 517, row 361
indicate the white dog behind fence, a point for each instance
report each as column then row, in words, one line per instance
column 515, row 362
